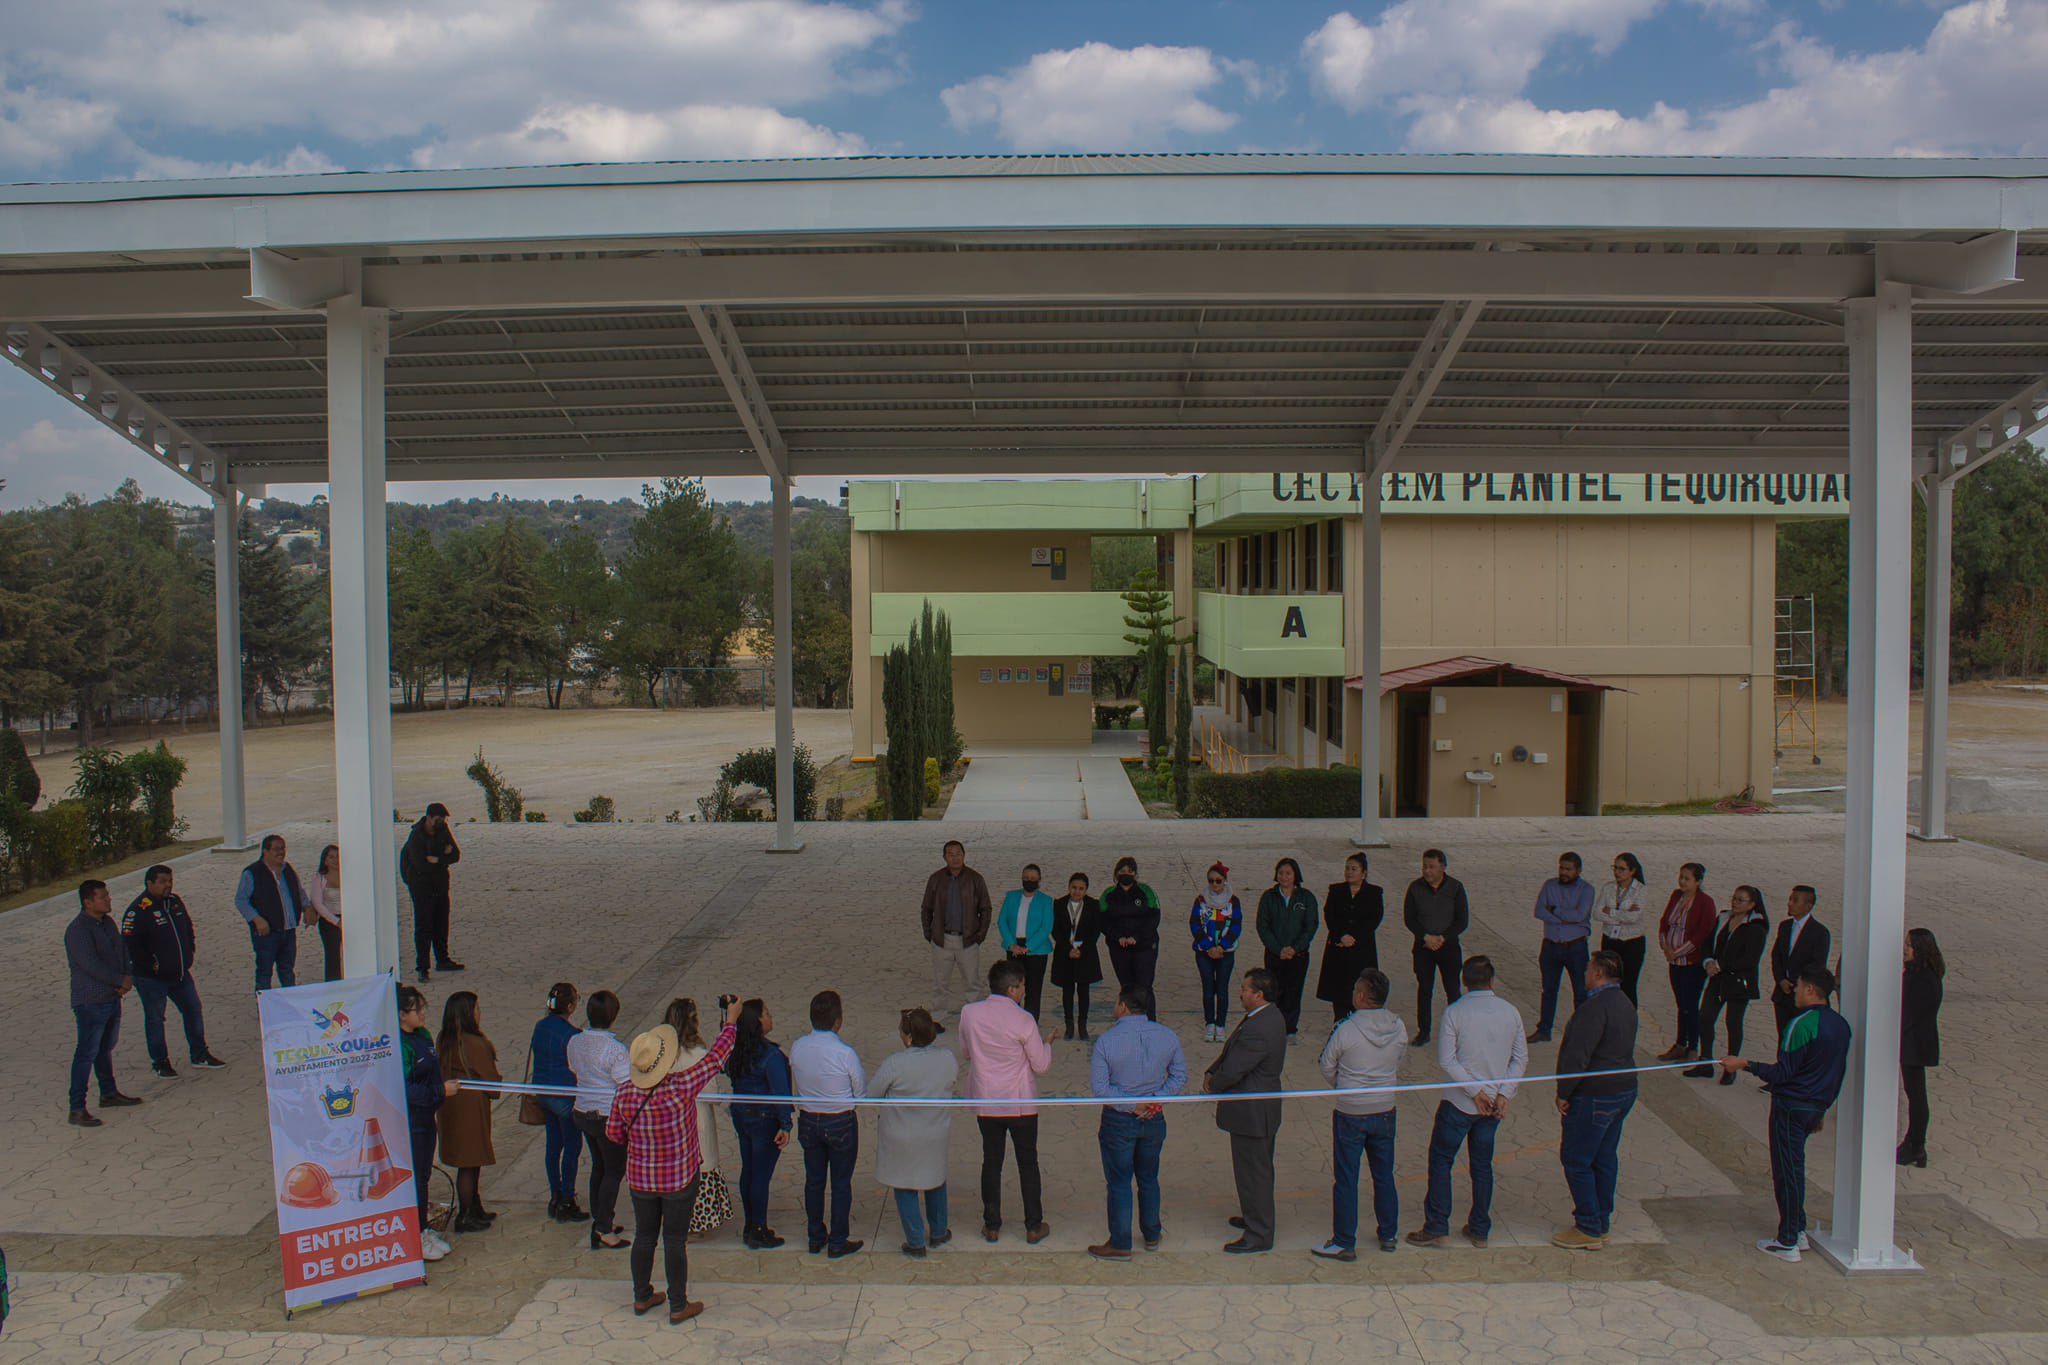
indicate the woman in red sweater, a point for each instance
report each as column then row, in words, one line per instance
column 1684, row 934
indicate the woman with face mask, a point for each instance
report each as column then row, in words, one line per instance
column 1024, row 928
column 1130, row 922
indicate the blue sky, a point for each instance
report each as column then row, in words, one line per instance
column 114, row 89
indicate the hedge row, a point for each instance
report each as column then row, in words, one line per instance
column 1276, row 794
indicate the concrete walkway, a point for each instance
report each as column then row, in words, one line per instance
column 1053, row 787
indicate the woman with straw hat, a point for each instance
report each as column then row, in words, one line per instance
column 654, row 1116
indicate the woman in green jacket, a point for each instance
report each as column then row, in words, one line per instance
column 1287, row 926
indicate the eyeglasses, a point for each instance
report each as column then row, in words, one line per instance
column 1215, row 881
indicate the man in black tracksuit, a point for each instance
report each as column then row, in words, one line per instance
column 429, row 852
column 1805, row 1081
column 1599, row 1038
column 157, row 931
column 1436, row 913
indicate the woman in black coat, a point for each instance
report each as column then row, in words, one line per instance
column 1733, row 954
column 1351, row 922
column 1076, row 957
column 1919, row 1038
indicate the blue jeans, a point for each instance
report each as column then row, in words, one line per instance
column 99, row 1027
column 1455, row 1128
column 1130, row 1150
column 1372, row 1135
column 830, row 1143
column 1591, row 1156
column 1558, row 959
column 915, row 1234
column 758, row 1155
column 1215, row 986
column 279, row 950
column 154, row 994
column 564, row 1143
column 1791, row 1126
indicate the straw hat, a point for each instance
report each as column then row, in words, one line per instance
column 654, row 1055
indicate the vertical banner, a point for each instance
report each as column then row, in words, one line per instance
column 340, row 1151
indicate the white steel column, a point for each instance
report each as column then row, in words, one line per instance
column 785, row 684
column 358, row 339
column 1874, row 847
column 1941, row 512
column 1365, row 582
column 227, row 635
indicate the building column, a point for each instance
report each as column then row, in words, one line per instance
column 1941, row 511
column 1874, row 847
column 227, row 634
column 1364, row 576
column 358, row 339
column 785, row 684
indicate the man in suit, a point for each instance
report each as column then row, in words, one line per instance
column 1802, row 942
column 1251, row 1064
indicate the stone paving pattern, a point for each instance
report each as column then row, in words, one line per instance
column 152, row 1238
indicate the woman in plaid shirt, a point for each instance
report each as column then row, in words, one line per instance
column 654, row 1116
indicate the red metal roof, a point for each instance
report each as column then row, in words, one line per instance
column 1424, row 676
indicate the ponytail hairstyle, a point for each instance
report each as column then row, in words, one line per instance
column 562, row 999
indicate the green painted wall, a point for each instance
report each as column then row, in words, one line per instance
column 1003, row 624
column 1244, row 635
column 1102, row 505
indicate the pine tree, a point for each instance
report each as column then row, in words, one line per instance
column 1151, row 621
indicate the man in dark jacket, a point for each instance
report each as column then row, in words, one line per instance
column 1802, row 942
column 429, row 852
column 99, row 978
column 1813, row 1057
column 271, row 900
column 956, row 913
column 1599, row 1038
column 1251, row 1062
column 1437, row 914
column 157, row 930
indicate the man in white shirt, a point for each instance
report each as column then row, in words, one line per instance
column 828, row 1078
column 1483, row 1049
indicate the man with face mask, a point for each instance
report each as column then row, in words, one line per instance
column 1130, row 926
column 1024, row 928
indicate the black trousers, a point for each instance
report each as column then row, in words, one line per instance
column 666, row 1216
column 1034, row 979
column 1022, row 1132
column 1072, row 994
column 1293, row 975
column 330, row 944
column 1251, row 1163
column 1783, row 1008
column 1429, row 965
column 429, row 928
column 1630, row 951
column 1915, row 1078
column 607, row 1168
column 1711, row 1006
column 1135, row 967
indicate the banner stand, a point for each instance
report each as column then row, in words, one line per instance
column 340, row 1148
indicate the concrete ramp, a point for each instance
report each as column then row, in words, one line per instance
column 1047, row 788
column 1107, row 791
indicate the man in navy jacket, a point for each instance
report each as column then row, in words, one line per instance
column 161, row 946
column 1813, row 1057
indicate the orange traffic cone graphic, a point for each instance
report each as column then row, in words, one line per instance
column 376, row 1164
column 308, row 1186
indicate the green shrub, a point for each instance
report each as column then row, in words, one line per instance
column 1115, row 717
column 756, row 768
column 600, row 811
column 536, row 817
column 17, row 774
column 1276, row 794
column 104, row 789
column 158, row 772
column 57, row 840
column 503, row 802
column 933, row 784
column 875, row 810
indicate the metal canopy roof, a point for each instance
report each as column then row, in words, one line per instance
column 1422, row 677
column 1037, row 315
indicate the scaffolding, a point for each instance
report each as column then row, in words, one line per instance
column 1795, row 679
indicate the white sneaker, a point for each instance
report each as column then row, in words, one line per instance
column 1802, row 1243
column 432, row 1245
column 1771, row 1246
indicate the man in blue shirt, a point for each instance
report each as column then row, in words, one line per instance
column 1565, row 905
column 1135, row 1060
column 1813, row 1058
column 272, row 901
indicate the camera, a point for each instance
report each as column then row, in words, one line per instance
column 725, row 1001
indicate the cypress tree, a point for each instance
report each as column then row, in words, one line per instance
column 1184, row 729
column 904, row 763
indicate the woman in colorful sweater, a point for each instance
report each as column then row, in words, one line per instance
column 1215, row 922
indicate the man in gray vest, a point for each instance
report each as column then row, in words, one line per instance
column 271, row 900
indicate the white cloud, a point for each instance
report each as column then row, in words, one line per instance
column 297, row 161
column 1098, row 98
column 441, row 77
column 600, row 132
column 40, row 129
column 1450, row 48
column 43, row 460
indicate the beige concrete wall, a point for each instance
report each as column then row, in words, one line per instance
column 975, row 561
column 1018, row 713
column 1481, row 722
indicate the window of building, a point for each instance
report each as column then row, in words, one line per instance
column 1273, row 579
column 1334, row 538
column 1287, row 684
column 1309, row 722
column 1308, row 558
column 1254, row 551
column 1333, row 710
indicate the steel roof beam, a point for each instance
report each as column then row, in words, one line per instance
column 721, row 341
column 2013, row 422
column 1454, row 322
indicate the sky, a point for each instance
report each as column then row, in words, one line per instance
column 119, row 89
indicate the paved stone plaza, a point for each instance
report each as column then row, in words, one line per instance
column 152, row 1239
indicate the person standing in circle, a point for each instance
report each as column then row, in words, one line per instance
column 1619, row 916
column 1683, row 933
column 1735, row 949
column 956, row 914
column 1216, row 921
column 1287, row 927
column 549, row 1049
column 1919, row 1037
column 162, row 945
column 910, row 1145
column 714, row 1199
column 1130, row 921
column 1076, row 955
column 601, row 1065
column 1352, row 912
column 1024, row 928
column 323, row 896
column 759, row 1067
column 429, row 852
column 425, row 1091
column 465, row 1117
column 272, row 901
column 1437, row 913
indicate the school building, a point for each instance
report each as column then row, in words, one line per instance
column 1549, row 643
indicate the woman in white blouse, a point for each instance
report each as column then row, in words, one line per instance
column 1619, row 913
column 323, row 895
column 601, row 1065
